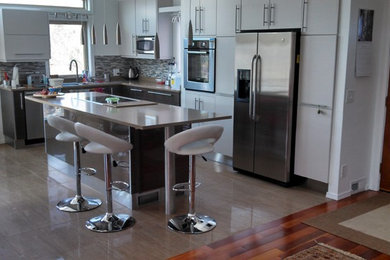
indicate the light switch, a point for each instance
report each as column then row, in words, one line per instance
column 350, row 97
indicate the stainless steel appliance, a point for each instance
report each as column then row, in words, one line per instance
column 265, row 103
column 145, row 45
column 199, row 64
column 133, row 73
column 34, row 120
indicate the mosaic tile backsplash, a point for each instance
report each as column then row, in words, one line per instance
column 147, row 67
column 25, row 68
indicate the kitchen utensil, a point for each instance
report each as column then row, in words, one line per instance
column 133, row 73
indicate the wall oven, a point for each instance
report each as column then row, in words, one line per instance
column 199, row 64
column 145, row 45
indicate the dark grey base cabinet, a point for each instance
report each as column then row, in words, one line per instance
column 164, row 97
column 22, row 120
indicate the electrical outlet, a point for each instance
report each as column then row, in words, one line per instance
column 355, row 186
column 115, row 72
column 343, row 172
column 350, row 97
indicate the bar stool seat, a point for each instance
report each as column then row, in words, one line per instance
column 193, row 142
column 78, row 203
column 105, row 144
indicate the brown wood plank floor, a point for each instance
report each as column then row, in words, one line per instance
column 283, row 237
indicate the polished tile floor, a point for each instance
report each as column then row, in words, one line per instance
column 32, row 228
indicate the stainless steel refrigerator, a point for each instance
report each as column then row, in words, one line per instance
column 265, row 103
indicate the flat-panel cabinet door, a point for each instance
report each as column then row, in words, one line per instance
column 228, row 17
column 191, row 100
column 317, row 69
column 128, row 32
column 312, row 145
column 225, row 105
column 25, row 22
column 320, row 17
column 208, row 17
column 285, row 14
column 254, row 14
column 225, row 65
column 151, row 17
column 140, row 14
column 27, row 47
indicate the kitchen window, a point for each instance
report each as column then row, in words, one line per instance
column 53, row 3
column 65, row 45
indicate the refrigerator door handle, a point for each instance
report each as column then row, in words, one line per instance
column 257, row 89
column 251, row 87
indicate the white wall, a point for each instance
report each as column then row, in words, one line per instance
column 105, row 11
column 353, row 136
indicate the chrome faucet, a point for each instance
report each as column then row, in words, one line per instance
column 77, row 69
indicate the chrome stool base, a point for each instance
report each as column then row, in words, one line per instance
column 192, row 224
column 110, row 223
column 78, row 204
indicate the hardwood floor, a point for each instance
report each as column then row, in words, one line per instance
column 283, row 237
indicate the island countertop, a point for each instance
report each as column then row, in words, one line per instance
column 138, row 117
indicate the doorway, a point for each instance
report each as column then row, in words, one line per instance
column 385, row 165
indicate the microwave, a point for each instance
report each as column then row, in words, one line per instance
column 145, row 45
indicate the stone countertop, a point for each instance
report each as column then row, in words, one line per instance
column 139, row 117
column 147, row 83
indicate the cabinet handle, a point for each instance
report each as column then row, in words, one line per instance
column 265, row 11
column 201, row 9
column 147, row 27
column 304, row 19
column 272, row 14
column 237, row 23
column 196, row 101
column 159, row 93
column 133, row 45
column 200, row 101
column 135, row 90
column 196, row 19
column 21, row 101
column 30, row 54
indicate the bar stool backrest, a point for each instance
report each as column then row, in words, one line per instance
column 114, row 143
column 195, row 141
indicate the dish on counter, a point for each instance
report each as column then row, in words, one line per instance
column 44, row 93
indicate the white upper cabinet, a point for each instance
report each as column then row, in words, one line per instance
column 317, row 69
column 26, row 38
column 127, row 23
column 320, row 16
column 254, row 14
column 228, row 17
column 203, row 17
column 146, row 17
column 271, row 14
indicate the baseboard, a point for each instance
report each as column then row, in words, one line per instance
column 220, row 158
column 340, row 196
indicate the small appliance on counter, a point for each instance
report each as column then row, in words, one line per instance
column 133, row 73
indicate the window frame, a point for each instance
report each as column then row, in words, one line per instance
column 86, row 50
column 86, row 9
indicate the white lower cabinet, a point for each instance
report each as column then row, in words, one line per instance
column 312, row 146
column 225, row 105
column 200, row 101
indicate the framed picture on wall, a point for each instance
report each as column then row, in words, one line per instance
column 365, row 25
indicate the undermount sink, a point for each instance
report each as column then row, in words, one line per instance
column 72, row 84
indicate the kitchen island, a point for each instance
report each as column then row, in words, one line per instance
column 126, row 122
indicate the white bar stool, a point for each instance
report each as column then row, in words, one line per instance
column 106, row 144
column 78, row 203
column 193, row 142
